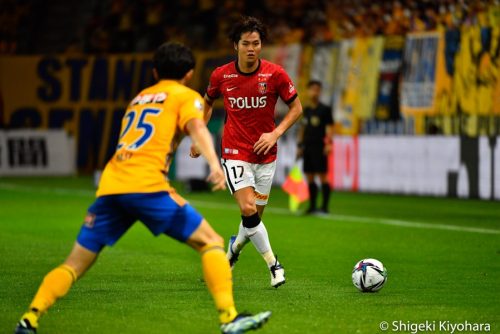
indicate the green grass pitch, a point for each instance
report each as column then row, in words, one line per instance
column 442, row 255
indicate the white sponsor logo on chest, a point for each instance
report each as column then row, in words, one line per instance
column 248, row 102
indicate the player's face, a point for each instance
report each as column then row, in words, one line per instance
column 249, row 47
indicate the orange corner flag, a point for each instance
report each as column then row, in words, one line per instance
column 296, row 187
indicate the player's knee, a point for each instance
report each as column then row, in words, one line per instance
column 213, row 238
column 77, row 267
column 211, row 243
column 248, row 209
column 216, row 239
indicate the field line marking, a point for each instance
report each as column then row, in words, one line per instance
column 281, row 211
column 45, row 190
column 404, row 223
column 363, row 220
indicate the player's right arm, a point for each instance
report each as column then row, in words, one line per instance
column 212, row 93
column 209, row 107
column 202, row 140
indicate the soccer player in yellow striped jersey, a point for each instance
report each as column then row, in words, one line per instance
column 134, row 187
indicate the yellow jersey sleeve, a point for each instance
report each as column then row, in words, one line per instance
column 191, row 107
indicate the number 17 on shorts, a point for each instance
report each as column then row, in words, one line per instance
column 242, row 174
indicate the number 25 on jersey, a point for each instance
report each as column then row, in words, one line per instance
column 138, row 129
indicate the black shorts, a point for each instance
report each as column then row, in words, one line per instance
column 315, row 161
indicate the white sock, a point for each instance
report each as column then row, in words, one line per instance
column 241, row 240
column 260, row 239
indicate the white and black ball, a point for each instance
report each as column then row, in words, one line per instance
column 369, row 275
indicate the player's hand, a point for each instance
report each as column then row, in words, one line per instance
column 193, row 152
column 216, row 178
column 265, row 143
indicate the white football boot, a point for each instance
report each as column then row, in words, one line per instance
column 277, row 274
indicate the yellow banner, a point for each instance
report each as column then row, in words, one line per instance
column 368, row 53
column 471, row 84
column 445, row 103
column 495, row 65
column 345, row 90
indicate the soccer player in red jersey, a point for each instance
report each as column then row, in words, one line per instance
column 251, row 87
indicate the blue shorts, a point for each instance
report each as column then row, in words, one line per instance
column 111, row 216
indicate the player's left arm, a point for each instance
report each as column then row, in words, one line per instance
column 269, row 139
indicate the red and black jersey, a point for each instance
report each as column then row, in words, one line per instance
column 249, row 100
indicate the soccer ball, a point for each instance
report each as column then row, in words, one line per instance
column 369, row 275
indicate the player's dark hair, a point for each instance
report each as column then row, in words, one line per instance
column 247, row 24
column 173, row 60
column 314, row 83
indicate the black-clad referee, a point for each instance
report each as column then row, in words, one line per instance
column 314, row 145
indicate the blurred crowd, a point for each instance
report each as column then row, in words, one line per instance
column 13, row 15
column 141, row 25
